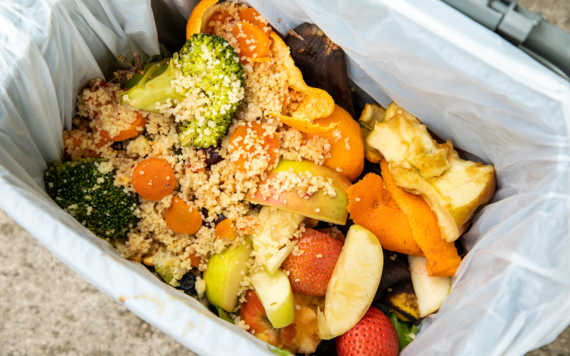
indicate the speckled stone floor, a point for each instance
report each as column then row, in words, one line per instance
column 46, row 309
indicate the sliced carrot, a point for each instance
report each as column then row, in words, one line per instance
column 77, row 138
column 135, row 129
column 225, row 229
column 250, row 15
column 260, row 60
column 252, row 41
column 195, row 260
column 219, row 17
column 102, row 141
column 371, row 206
column 181, row 218
column 153, row 178
column 442, row 257
column 251, row 146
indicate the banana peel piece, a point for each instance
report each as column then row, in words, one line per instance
column 403, row 301
column 316, row 103
column 371, row 114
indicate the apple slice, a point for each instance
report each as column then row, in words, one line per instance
column 353, row 284
column 453, row 188
column 401, row 137
column 318, row 206
column 455, row 195
column 431, row 292
column 164, row 265
column 276, row 296
column 277, row 259
column 224, row 275
column 273, row 241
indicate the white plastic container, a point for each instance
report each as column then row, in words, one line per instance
column 467, row 84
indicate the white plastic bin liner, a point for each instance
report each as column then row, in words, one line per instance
column 466, row 83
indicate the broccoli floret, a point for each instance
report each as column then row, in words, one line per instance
column 216, row 72
column 91, row 197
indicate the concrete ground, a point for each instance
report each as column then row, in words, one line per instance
column 46, row 309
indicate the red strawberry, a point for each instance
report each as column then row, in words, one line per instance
column 310, row 273
column 373, row 335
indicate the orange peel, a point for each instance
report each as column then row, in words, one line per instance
column 442, row 257
column 316, row 103
column 199, row 18
column 371, row 206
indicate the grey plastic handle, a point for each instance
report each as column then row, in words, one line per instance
column 528, row 31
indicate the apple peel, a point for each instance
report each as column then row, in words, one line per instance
column 442, row 257
column 371, row 206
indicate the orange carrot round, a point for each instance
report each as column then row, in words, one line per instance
column 225, row 229
column 250, row 15
column 76, row 140
column 195, row 260
column 181, row 218
column 246, row 142
column 219, row 17
column 135, row 129
column 252, row 41
column 102, row 141
column 153, row 178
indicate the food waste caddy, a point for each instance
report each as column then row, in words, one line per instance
column 467, row 84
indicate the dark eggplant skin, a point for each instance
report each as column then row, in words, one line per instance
column 322, row 63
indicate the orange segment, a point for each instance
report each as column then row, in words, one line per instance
column 442, row 257
column 252, row 41
column 251, row 147
column 200, row 16
column 181, row 218
column 153, row 178
column 347, row 146
column 371, row 206
column 225, row 229
column 135, row 129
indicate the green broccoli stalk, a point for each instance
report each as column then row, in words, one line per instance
column 216, row 75
column 150, row 90
column 91, row 197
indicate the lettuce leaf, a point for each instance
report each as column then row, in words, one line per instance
column 406, row 331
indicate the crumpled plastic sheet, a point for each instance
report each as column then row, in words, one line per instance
column 467, row 84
